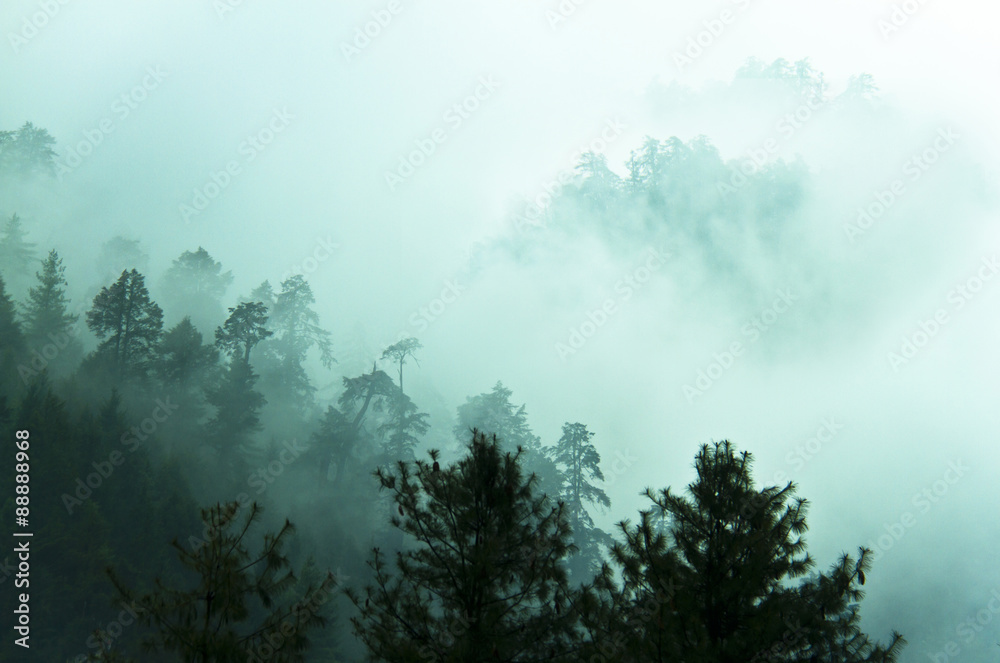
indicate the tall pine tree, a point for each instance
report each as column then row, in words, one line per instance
column 484, row 579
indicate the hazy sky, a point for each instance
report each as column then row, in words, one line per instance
column 201, row 78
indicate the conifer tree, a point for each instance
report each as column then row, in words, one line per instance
column 579, row 464
column 494, row 412
column 17, row 254
column 724, row 583
column 484, row 579
column 129, row 325
column 11, row 343
column 194, row 285
column 236, row 608
column 46, row 317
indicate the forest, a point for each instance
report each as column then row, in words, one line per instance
column 199, row 492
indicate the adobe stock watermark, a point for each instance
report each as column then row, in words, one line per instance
column 371, row 30
column 923, row 501
column 453, row 119
column 532, row 215
column 34, row 23
column 914, row 169
column 42, row 355
column 263, row 477
column 562, row 13
column 753, row 330
column 968, row 629
column 121, row 108
column 422, row 318
column 758, row 157
column 713, row 29
column 224, row 7
column 104, row 468
column 930, row 327
column 625, row 288
column 323, row 249
column 901, row 14
column 251, row 148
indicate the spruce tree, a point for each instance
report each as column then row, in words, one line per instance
column 46, row 317
column 484, row 579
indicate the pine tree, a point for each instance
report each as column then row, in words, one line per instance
column 236, row 400
column 494, row 413
column 579, row 465
column 484, row 579
column 245, row 327
column 121, row 254
column 720, row 584
column 46, row 318
column 296, row 331
column 237, row 608
column 398, row 352
column 195, row 285
column 129, row 325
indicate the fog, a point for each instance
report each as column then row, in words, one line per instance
column 282, row 140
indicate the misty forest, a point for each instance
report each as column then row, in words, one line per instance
column 702, row 375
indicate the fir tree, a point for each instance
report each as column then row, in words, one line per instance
column 484, row 579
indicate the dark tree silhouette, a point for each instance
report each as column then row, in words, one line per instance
column 484, row 580
column 128, row 323
column 238, row 606
column 579, row 463
column 719, row 584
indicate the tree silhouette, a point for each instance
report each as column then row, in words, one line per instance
column 128, row 323
column 719, row 584
column 579, row 463
column 195, row 284
column 484, row 580
column 237, row 608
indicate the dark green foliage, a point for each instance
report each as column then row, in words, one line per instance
column 717, row 584
column 235, row 607
column 484, row 579
column 129, row 325
column 47, row 321
column 184, row 361
column 493, row 411
column 243, row 330
column 11, row 343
